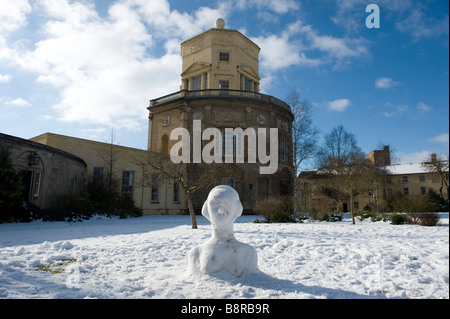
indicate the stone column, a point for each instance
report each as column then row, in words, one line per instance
column 150, row 127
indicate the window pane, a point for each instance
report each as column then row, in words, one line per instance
column 224, row 56
column 176, row 192
column 228, row 181
column 37, row 184
column 197, row 83
column 282, row 150
column 98, row 175
column 127, row 182
column 224, row 85
column 154, row 196
column 248, row 84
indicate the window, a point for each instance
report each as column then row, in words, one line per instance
column 154, row 196
column 247, row 84
column 37, row 184
column 355, row 205
column 282, row 149
column 228, row 142
column 197, row 83
column 224, row 85
column 406, row 191
column 388, row 191
column 127, row 182
column 74, row 185
column 224, row 56
column 422, row 178
column 228, row 181
column 404, row 179
column 176, row 192
column 205, row 80
column 423, row 191
column 98, row 176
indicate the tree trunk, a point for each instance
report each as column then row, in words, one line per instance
column 191, row 212
column 351, row 209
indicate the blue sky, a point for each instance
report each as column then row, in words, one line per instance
column 84, row 67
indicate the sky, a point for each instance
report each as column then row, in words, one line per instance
column 84, row 68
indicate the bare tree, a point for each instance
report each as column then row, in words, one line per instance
column 438, row 163
column 341, row 158
column 304, row 135
column 110, row 156
column 339, row 150
column 191, row 177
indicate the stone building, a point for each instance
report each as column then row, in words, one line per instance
column 412, row 179
column 49, row 172
column 130, row 172
column 220, row 87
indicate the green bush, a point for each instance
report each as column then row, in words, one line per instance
column 324, row 217
column 276, row 210
column 12, row 207
column 399, row 219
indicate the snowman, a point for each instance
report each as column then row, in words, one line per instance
column 222, row 251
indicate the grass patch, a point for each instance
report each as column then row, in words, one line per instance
column 58, row 268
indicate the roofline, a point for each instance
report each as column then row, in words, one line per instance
column 221, row 30
column 42, row 146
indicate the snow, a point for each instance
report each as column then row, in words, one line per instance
column 222, row 251
column 406, row 168
column 147, row 257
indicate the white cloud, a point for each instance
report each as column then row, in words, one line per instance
column 301, row 45
column 101, row 67
column 418, row 25
column 385, row 83
column 280, row 52
column 4, row 78
column 443, row 138
column 423, row 107
column 415, row 157
column 399, row 109
column 277, row 6
column 336, row 48
column 106, row 69
column 13, row 14
column 19, row 102
column 339, row 105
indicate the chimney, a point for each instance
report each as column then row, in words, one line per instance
column 433, row 158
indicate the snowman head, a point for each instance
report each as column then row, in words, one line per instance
column 222, row 206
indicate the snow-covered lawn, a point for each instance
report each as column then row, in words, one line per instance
column 146, row 257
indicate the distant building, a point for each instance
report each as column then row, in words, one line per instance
column 412, row 179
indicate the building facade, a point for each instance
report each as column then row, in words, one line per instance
column 49, row 172
column 413, row 179
column 129, row 171
column 220, row 88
